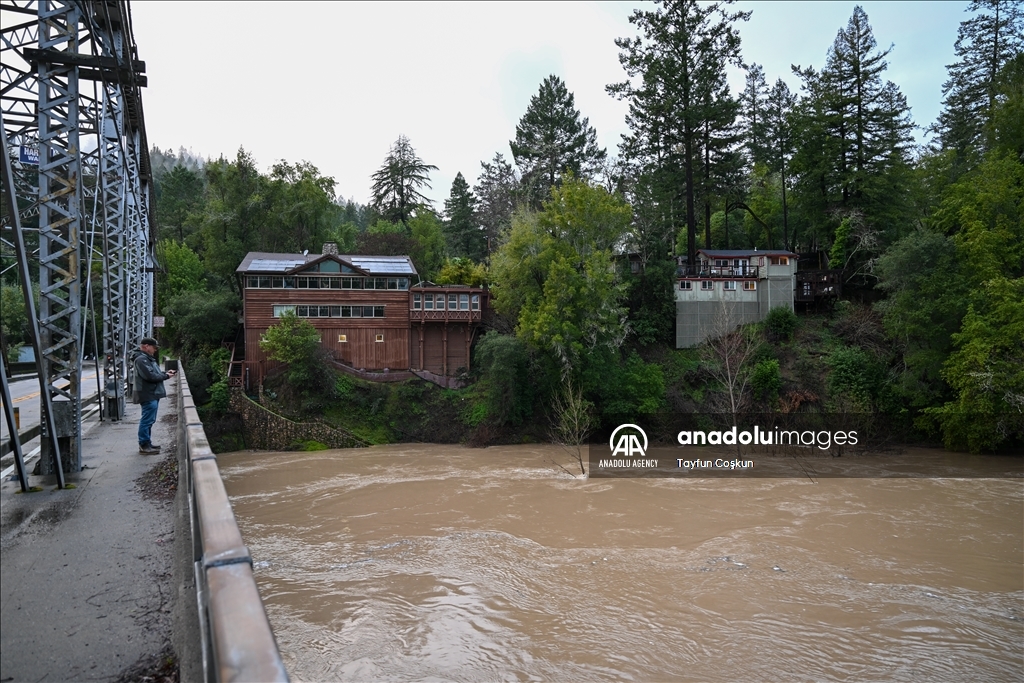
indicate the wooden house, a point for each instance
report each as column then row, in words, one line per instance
column 373, row 314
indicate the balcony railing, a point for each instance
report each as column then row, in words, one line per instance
column 709, row 271
column 420, row 315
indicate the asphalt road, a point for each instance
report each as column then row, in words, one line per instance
column 25, row 397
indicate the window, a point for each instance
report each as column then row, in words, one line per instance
column 392, row 283
column 403, row 283
column 440, row 302
column 475, row 302
column 335, row 311
column 428, row 302
column 452, row 302
column 378, row 311
column 265, row 282
column 463, row 302
column 634, row 267
column 253, row 282
column 278, row 310
column 780, row 260
column 379, row 338
column 707, row 285
column 416, row 301
column 343, row 338
column 302, row 311
column 749, row 286
column 685, row 285
column 729, row 285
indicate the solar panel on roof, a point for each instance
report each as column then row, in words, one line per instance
column 274, row 264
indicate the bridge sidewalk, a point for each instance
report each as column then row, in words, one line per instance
column 86, row 585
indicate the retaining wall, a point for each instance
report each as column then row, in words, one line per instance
column 266, row 430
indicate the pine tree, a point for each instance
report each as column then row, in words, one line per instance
column 675, row 67
column 778, row 129
column 397, row 184
column 854, row 135
column 461, row 228
column 552, row 140
column 497, row 193
column 984, row 44
column 753, row 103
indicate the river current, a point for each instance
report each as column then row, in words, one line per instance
column 433, row 562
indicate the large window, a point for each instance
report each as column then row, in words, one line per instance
column 325, row 282
column 318, row 311
column 780, row 260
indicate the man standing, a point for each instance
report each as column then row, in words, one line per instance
column 148, row 390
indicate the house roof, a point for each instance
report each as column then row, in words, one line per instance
column 270, row 263
column 743, row 253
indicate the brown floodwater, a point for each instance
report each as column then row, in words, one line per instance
column 432, row 562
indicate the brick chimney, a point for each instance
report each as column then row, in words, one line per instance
column 330, row 248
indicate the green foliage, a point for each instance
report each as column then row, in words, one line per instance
column 780, row 323
column 497, row 191
column 556, row 275
column 837, row 256
column 504, row 364
column 180, row 199
column 986, row 372
column 462, row 271
column 197, row 319
column 288, row 211
column 633, row 388
column 649, row 296
column 461, row 227
column 294, row 342
column 766, row 380
column 854, row 378
column 14, row 323
column 552, row 141
column 183, row 270
column 429, row 246
column 219, row 397
column 398, row 183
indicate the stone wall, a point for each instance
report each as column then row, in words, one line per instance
column 268, row 431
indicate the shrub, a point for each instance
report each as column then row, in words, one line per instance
column 766, row 380
column 780, row 323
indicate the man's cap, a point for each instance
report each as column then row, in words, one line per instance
column 148, row 340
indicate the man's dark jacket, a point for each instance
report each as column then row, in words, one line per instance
column 149, row 378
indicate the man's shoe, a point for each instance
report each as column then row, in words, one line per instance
column 148, row 450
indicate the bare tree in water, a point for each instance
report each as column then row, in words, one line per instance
column 572, row 420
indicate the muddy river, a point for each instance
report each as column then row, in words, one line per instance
column 428, row 562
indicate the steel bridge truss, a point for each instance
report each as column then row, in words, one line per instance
column 77, row 184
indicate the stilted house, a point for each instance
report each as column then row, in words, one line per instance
column 727, row 288
column 374, row 316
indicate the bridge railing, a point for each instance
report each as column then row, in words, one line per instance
column 238, row 643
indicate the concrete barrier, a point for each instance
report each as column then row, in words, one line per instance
column 237, row 641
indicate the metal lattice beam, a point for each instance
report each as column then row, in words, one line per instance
column 70, row 86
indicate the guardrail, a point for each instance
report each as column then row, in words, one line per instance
column 238, row 643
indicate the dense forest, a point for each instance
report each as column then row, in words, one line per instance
column 930, row 237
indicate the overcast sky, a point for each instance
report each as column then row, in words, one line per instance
column 336, row 84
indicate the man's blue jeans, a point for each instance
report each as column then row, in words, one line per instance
column 146, row 423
